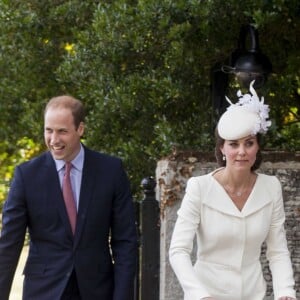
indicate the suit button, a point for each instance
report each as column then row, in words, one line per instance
column 68, row 274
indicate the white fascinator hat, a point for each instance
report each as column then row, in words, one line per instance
column 246, row 117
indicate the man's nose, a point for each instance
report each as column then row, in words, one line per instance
column 54, row 138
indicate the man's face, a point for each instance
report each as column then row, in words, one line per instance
column 60, row 134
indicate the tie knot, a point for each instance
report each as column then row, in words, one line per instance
column 68, row 166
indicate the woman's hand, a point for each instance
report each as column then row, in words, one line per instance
column 210, row 298
column 286, row 298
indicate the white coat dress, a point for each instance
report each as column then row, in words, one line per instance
column 229, row 242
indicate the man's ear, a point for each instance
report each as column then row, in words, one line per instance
column 81, row 129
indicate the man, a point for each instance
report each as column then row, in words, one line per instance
column 91, row 254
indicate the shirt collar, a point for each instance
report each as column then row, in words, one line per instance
column 77, row 162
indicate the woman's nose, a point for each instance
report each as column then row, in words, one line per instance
column 242, row 150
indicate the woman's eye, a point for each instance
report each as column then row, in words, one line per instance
column 233, row 144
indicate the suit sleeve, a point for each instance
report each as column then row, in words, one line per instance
column 14, row 224
column 123, row 239
column 277, row 250
column 182, row 242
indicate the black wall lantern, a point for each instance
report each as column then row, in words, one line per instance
column 246, row 63
column 249, row 64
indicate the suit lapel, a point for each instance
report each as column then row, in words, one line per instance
column 86, row 190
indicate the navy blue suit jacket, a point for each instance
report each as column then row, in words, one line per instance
column 103, row 250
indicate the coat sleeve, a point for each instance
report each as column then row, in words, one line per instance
column 182, row 242
column 277, row 249
column 14, row 224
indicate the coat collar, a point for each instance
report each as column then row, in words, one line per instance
column 217, row 198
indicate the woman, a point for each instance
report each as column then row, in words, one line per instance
column 232, row 211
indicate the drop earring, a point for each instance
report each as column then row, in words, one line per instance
column 224, row 157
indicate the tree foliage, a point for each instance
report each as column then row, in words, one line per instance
column 143, row 70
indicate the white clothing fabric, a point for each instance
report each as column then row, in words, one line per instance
column 229, row 242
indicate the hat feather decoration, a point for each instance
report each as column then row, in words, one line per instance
column 248, row 116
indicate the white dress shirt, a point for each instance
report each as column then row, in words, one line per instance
column 75, row 174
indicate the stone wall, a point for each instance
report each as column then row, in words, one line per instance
column 172, row 174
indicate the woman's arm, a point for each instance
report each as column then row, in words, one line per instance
column 182, row 243
column 277, row 250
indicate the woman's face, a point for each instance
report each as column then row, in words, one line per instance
column 240, row 154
